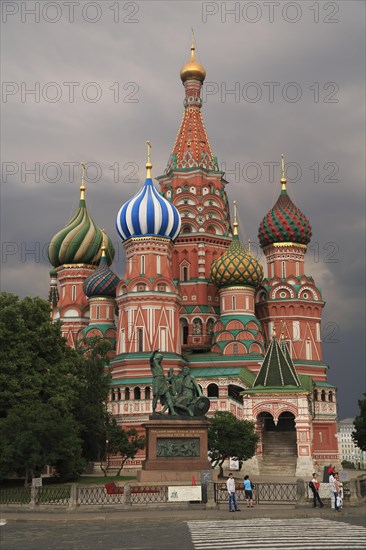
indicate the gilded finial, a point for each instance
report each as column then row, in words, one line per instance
column 193, row 47
column 282, row 331
column 82, row 187
column 249, row 244
column 148, row 164
column 283, row 178
column 192, row 69
column 274, row 332
column 104, row 248
column 235, row 224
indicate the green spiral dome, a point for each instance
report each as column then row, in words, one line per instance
column 80, row 242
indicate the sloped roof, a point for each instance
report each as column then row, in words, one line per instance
column 277, row 369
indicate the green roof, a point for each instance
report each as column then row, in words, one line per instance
column 323, row 384
column 247, row 376
column 277, row 369
column 209, row 372
column 128, row 381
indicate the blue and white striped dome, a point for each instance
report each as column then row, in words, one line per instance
column 148, row 214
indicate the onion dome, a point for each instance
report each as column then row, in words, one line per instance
column 236, row 266
column 148, row 213
column 80, row 242
column 102, row 282
column 192, row 69
column 284, row 222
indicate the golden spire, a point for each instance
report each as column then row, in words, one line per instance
column 148, row 164
column 248, row 250
column 283, row 179
column 235, row 224
column 104, row 248
column 82, row 187
column 192, row 69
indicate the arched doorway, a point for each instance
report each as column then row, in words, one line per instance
column 279, row 447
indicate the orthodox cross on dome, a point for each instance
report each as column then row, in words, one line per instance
column 82, row 187
column 235, row 224
column 148, row 164
column 283, row 178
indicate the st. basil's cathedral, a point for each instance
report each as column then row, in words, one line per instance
column 194, row 291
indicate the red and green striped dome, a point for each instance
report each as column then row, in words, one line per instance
column 80, row 242
column 102, row 282
column 284, row 223
column 236, row 267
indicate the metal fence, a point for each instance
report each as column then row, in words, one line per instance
column 98, row 495
column 16, row 495
column 150, row 494
column 58, row 496
column 264, row 493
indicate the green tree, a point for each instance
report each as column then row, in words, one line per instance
column 39, row 388
column 91, row 409
column 122, row 443
column 230, row 437
column 359, row 435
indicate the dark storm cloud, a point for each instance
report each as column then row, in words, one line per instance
column 322, row 132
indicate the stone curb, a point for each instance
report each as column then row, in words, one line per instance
column 94, row 516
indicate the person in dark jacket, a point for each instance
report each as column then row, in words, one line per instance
column 314, row 486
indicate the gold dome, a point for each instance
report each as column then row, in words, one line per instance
column 192, row 69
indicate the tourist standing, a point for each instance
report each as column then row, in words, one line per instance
column 230, row 485
column 314, row 486
column 248, row 488
column 333, row 490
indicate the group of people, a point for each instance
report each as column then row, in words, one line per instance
column 231, row 491
column 335, row 486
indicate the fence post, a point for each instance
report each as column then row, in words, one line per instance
column 73, row 500
column 34, row 495
column 353, row 498
column 127, row 494
column 210, row 504
column 300, row 493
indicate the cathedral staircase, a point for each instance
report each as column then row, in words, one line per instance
column 279, row 454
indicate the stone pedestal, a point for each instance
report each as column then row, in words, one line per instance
column 176, row 449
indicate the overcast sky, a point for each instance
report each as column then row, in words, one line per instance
column 105, row 78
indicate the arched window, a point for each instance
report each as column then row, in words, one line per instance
column 234, row 302
column 323, row 395
column 315, row 395
column 127, row 394
column 184, row 331
column 147, row 393
column 235, row 349
column 210, row 327
column 283, row 270
column 113, row 397
column 330, row 396
column 142, row 265
column 197, row 327
column 212, row 390
column 140, row 339
column 185, row 273
column 73, row 293
column 158, row 265
column 97, row 314
column 119, row 394
column 137, row 393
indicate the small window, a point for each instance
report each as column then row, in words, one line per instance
column 283, row 270
column 315, row 395
column 330, row 396
column 323, row 395
column 185, row 273
column 127, row 394
column 147, row 393
column 97, row 312
column 234, row 303
column 212, row 390
column 73, row 293
column 158, row 265
column 235, row 349
column 140, row 339
column 137, row 394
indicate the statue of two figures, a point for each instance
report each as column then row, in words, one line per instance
column 180, row 394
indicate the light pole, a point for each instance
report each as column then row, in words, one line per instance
column 107, row 454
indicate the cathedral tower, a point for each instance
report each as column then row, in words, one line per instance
column 193, row 182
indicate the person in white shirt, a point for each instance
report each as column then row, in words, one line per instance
column 333, row 491
column 230, row 485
